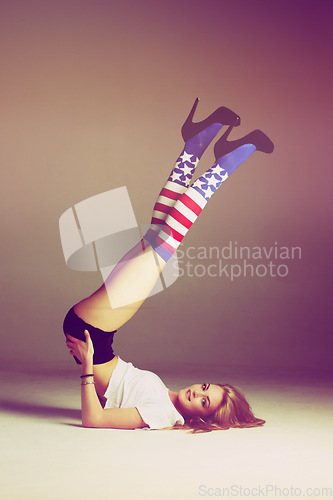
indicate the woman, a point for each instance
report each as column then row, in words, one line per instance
column 114, row 394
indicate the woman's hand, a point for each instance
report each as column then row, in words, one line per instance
column 84, row 351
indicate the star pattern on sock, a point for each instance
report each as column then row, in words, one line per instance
column 186, row 157
column 176, row 177
column 184, row 169
column 215, row 170
column 188, row 170
column 211, row 181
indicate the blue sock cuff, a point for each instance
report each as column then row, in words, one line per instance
column 198, row 144
column 162, row 252
column 232, row 160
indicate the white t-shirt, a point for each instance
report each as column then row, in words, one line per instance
column 130, row 387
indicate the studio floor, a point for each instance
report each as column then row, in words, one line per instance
column 47, row 455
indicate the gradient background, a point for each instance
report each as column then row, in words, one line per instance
column 93, row 98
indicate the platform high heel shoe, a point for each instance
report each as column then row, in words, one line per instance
column 229, row 155
column 256, row 138
column 221, row 116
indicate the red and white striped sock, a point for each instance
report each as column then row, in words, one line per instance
column 181, row 216
column 166, row 200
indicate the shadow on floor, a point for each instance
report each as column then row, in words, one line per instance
column 38, row 410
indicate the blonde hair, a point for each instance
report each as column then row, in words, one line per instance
column 234, row 411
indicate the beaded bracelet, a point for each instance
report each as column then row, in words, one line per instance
column 89, row 375
column 86, row 383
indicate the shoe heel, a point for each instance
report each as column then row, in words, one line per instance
column 187, row 128
column 222, row 115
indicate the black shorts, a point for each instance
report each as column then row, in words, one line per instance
column 102, row 341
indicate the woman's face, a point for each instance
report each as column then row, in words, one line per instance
column 199, row 400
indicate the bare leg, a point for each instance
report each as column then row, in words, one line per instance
column 124, row 291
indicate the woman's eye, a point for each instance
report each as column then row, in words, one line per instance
column 204, row 387
column 203, row 402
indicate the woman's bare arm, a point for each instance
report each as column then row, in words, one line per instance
column 93, row 415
